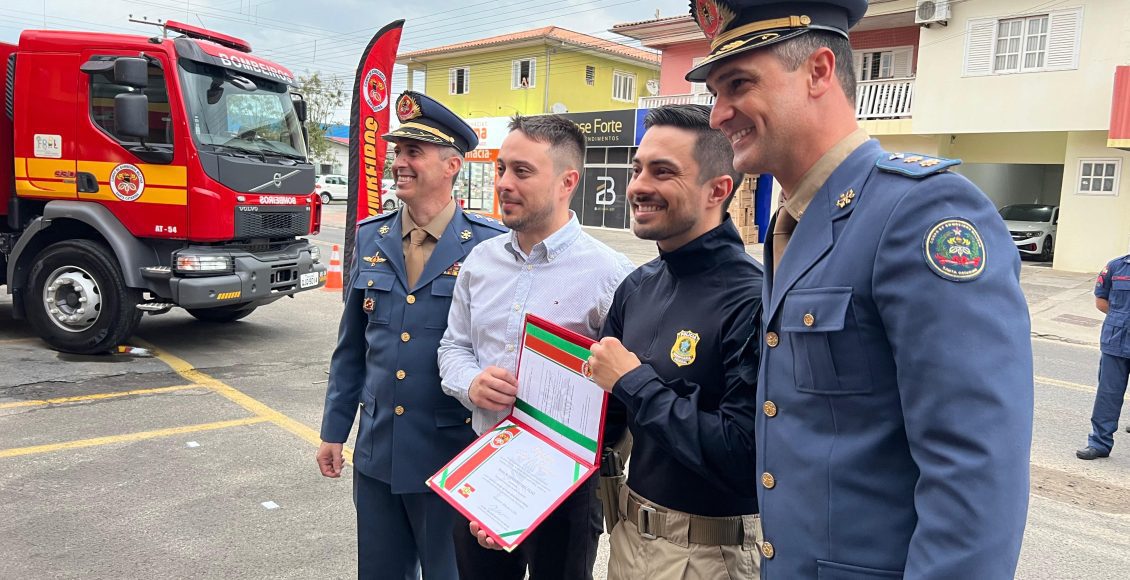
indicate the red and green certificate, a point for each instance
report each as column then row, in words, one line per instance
column 516, row 474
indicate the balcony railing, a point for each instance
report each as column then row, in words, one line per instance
column 885, row 99
column 691, row 99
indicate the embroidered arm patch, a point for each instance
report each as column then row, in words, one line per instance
column 954, row 250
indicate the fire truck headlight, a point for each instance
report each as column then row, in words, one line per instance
column 188, row 263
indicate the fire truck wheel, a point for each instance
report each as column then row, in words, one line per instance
column 222, row 313
column 77, row 299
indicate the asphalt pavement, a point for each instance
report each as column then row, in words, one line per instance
column 198, row 461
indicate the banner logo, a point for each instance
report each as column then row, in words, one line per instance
column 605, row 190
column 127, row 182
column 376, row 90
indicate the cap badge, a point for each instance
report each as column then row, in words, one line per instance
column 407, row 108
column 712, row 17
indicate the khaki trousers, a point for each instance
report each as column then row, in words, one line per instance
column 635, row 557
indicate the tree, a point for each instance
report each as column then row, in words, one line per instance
column 323, row 99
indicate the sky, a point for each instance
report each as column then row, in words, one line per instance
column 327, row 36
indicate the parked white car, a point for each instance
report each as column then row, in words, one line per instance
column 331, row 187
column 1033, row 228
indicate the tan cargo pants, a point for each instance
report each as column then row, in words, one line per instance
column 673, row 557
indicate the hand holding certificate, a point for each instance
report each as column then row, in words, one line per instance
column 514, row 475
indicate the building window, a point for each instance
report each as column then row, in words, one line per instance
column 1099, row 176
column 697, row 88
column 882, row 64
column 1045, row 42
column 524, row 73
column 623, row 86
column 458, row 80
column 590, row 75
column 1022, row 44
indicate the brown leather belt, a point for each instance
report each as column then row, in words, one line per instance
column 651, row 520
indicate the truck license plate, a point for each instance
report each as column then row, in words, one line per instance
column 308, row 280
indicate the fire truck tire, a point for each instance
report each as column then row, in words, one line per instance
column 77, row 298
column 221, row 313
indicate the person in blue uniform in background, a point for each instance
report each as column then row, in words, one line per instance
column 895, row 385
column 1112, row 297
column 404, row 272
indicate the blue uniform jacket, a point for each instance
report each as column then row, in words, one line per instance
column 1114, row 285
column 896, row 402
column 385, row 359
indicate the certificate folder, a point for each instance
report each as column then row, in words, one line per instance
column 514, row 475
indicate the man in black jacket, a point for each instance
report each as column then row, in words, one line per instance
column 673, row 359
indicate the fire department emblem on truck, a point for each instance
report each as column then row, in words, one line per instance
column 127, row 182
column 376, row 90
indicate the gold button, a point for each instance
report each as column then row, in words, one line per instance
column 370, row 283
column 767, row 550
column 768, row 480
column 411, row 299
column 400, row 375
column 772, row 339
column 467, row 420
column 405, row 337
column 770, row 409
column 398, row 410
column 809, row 319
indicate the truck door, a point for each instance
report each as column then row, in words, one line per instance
column 143, row 182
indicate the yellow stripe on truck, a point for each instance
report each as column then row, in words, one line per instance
column 159, row 175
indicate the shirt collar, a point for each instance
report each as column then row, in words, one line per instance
column 798, row 199
column 550, row 247
column 706, row 251
column 435, row 227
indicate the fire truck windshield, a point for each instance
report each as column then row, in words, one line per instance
column 229, row 111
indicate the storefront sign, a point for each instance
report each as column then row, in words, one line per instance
column 607, row 128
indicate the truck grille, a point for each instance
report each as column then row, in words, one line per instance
column 258, row 221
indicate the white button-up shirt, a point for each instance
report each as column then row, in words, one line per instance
column 568, row 279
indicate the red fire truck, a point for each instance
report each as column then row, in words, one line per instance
column 138, row 174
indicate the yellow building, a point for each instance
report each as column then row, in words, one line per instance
column 545, row 70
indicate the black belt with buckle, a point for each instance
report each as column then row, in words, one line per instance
column 651, row 520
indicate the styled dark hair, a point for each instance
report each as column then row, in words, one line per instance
column 564, row 137
column 796, row 50
column 712, row 149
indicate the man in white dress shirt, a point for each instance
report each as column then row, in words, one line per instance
column 546, row 266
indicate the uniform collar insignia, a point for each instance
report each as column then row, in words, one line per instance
column 845, row 198
column 383, row 230
column 374, row 259
column 465, row 234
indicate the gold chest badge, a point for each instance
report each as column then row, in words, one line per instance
column 374, row 259
column 368, row 305
column 683, row 351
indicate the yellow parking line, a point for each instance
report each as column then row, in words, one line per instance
column 128, row 437
column 1073, row 386
column 186, row 370
column 100, row 396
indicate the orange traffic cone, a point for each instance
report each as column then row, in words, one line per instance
column 333, row 275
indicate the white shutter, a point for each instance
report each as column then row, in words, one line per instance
column 533, row 72
column 857, row 64
column 515, row 74
column 979, row 47
column 451, row 78
column 1064, row 27
column 466, row 80
column 902, row 57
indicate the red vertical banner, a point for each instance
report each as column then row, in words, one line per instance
column 368, row 120
column 1119, row 135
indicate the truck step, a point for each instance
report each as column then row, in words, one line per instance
column 158, row 272
column 156, row 308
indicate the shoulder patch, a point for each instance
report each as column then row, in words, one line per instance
column 914, row 165
column 482, row 220
column 954, row 250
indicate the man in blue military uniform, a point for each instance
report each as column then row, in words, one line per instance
column 1112, row 297
column 402, row 278
column 896, row 374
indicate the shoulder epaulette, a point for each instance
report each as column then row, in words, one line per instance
column 482, row 220
column 378, row 217
column 914, row 165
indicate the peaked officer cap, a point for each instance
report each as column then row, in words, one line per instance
column 424, row 119
column 737, row 26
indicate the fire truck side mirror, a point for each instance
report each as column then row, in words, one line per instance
column 132, row 72
column 131, row 115
column 300, row 110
